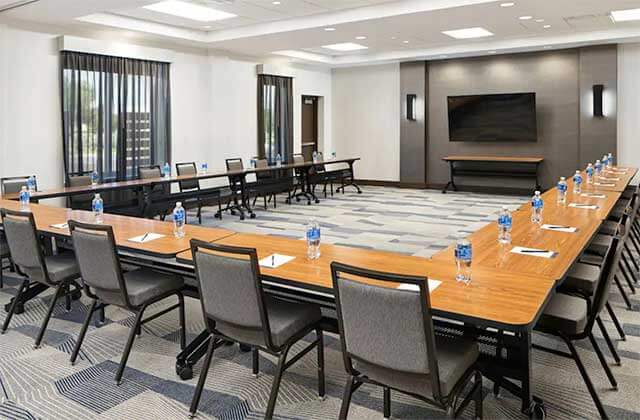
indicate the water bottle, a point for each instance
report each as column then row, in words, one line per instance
column 333, row 155
column 278, row 160
column 313, row 240
column 562, row 190
column 536, row 208
column 589, row 172
column 179, row 216
column 598, row 167
column 504, row 226
column 253, row 162
column 31, row 184
column 94, row 177
column 204, row 167
column 24, row 198
column 97, row 205
column 577, row 183
column 605, row 161
column 610, row 159
column 463, row 254
column 166, row 170
column 320, row 157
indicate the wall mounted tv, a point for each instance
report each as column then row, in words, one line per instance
column 509, row 117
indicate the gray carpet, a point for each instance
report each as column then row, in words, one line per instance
column 42, row 383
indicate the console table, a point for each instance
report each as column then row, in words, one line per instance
column 498, row 166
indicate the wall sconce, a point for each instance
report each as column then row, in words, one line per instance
column 597, row 100
column 411, row 106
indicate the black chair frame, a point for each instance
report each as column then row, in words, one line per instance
column 356, row 379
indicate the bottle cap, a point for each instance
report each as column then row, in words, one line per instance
column 24, row 188
column 179, row 204
column 97, row 195
column 563, row 178
column 578, row 171
column 505, row 208
column 537, row 193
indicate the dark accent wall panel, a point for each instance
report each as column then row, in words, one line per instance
column 413, row 141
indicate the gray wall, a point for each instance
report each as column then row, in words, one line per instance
column 413, row 141
column 562, row 80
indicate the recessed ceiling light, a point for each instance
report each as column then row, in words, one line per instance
column 492, row 52
column 275, row 2
column 507, row 4
column 539, row 20
column 546, row 26
column 329, row 29
column 207, row 27
column 625, row 15
column 345, row 46
column 394, row 37
column 189, row 11
column 361, row 37
column 405, row 42
column 443, row 56
column 525, row 17
column 547, row 47
column 467, row 33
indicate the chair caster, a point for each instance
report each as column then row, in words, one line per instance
column 184, row 372
column 317, row 201
column 308, row 203
column 298, row 199
column 537, row 411
column 242, row 217
column 322, row 397
column 76, row 294
column 37, row 346
column 255, row 375
column 19, row 308
column 252, row 216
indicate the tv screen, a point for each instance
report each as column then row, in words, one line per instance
column 507, row 117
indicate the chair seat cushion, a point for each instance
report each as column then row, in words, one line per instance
column 455, row 357
column 582, row 277
column 145, row 285
column 609, row 227
column 600, row 244
column 286, row 319
column 62, row 267
column 592, row 259
column 564, row 313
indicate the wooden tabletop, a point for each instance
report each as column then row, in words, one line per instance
column 515, row 159
column 614, row 179
column 138, row 183
column 124, row 228
column 493, row 297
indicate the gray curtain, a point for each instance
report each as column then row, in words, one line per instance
column 275, row 117
column 116, row 114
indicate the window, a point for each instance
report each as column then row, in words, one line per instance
column 115, row 115
column 275, row 116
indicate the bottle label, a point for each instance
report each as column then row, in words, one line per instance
column 463, row 252
column 562, row 186
column 178, row 216
column 505, row 220
column 24, row 196
column 537, row 203
column 313, row 234
column 590, row 171
column 577, row 179
column 98, row 206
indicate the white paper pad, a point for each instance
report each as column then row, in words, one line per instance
column 142, row 239
column 433, row 285
column 606, row 178
column 275, row 260
column 522, row 251
column 60, row 226
column 600, row 184
column 557, row 228
column 583, row 206
column 593, row 195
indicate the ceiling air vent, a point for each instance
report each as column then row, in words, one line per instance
column 16, row 4
column 589, row 21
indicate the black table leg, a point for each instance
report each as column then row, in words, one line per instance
column 451, row 182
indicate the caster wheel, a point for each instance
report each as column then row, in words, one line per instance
column 184, row 372
column 359, row 192
column 308, row 203
column 19, row 308
column 537, row 411
column 253, row 215
column 297, row 199
column 233, row 212
column 242, row 217
column 76, row 294
column 317, row 201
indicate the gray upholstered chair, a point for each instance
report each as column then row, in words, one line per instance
column 300, row 182
column 157, row 194
column 13, row 184
column 56, row 271
column 80, row 201
column 4, row 254
column 571, row 317
column 388, row 340
column 236, row 185
column 201, row 197
column 236, row 308
column 106, row 284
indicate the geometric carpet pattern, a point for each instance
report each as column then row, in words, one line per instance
column 43, row 384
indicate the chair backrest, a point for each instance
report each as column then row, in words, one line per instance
column 298, row 158
column 79, row 180
column 385, row 326
column 98, row 262
column 229, row 285
column 234, row 164
column 261, row 164
column 153, row 171
column 24, row 246
column 188, row 168
column 13, row 184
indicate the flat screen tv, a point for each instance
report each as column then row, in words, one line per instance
column 509, row 117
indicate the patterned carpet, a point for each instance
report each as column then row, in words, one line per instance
column 43, row 384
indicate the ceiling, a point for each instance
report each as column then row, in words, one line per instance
column 395, row 30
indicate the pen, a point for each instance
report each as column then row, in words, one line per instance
column 533, row 251
column 558, row 227
column 144, row 237
column 273, row 260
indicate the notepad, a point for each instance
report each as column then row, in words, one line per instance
column 147, row 237
column 583, row 206
column 558, row 228
column 533, row 252
column 275, row 260
column 60, row 225
column 593, row 195
column 606, row 178
column 600, row 184
column 433, row 285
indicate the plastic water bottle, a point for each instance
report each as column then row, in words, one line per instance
column 278, row 160
column 464, row 255
column 94, row 177
column 97, row 205
column 577, row 183
column 179, row 216
column 253, row 162
column 315, row 157
column 24, row 198
column 610, row 159
column 333, row 155
column 313, row 240
column 204, row 167
column 589, row 172
column 562, row 190
column 598, row 167
column 605, row 161
column 504, row 226
column 166, row 170
column 31, row 184
column 536, row 208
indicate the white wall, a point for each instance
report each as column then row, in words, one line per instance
column 365, row 119
column 629, row 105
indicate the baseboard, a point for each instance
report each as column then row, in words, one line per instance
column 396, row 184
column 464, row 188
